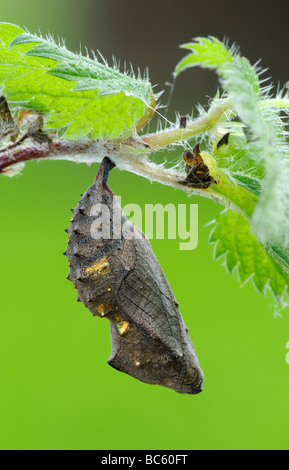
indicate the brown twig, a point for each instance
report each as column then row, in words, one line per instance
column 11, row 156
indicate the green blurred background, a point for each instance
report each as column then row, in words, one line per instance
column 57, row 392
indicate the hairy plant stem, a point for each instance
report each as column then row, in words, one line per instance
column 131, row 155
column 176, row 134
column 132, row 158
column 278, row 103
column 206, row 123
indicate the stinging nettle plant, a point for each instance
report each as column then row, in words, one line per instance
column 74, row 107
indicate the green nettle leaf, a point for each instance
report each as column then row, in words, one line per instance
column 239, row 157
column 210, row 53
column 80, row 94
column 233, row 240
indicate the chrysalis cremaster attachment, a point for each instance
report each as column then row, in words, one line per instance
column 121, row 279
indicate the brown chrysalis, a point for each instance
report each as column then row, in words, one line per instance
column 198, row 174
column 117, row 276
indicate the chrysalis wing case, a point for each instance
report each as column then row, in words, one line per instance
column 117, row 276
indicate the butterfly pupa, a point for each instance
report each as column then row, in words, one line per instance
column 117, row 276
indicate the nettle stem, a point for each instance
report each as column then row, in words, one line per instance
column 134, row 159
column 176, row 134
column 132, row 156
column 26, row 152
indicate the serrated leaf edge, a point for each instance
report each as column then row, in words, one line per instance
column 235, row 271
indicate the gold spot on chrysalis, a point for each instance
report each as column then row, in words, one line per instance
column 141, row 360
column 169, row 383
column 98, row 269
column 104, row 309
column 122, row 327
